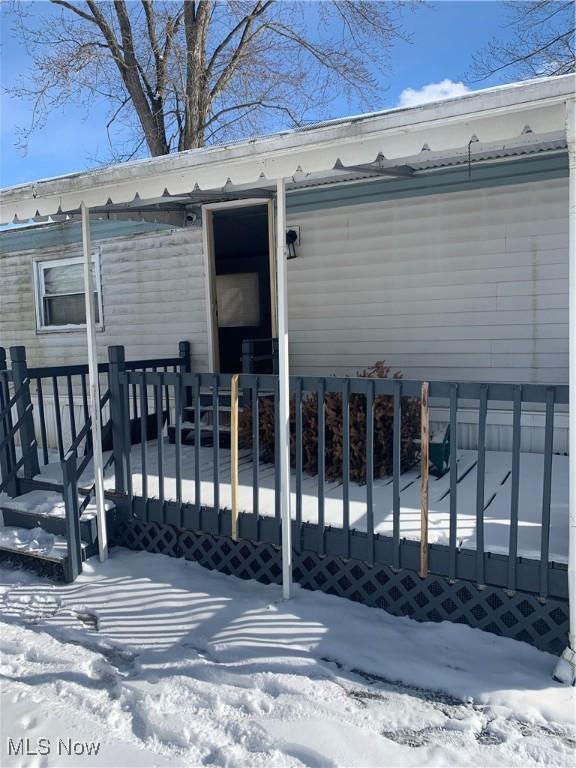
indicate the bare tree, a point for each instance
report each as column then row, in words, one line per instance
column 178, row 75
column 542, row 42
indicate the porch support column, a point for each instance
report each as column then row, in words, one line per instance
column 284, row 388
column 94, row 384
column 566, row 668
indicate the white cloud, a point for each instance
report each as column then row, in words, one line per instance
column 446, row 89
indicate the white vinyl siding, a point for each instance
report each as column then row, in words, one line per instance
column 459, row 286
column 154, row 296
column 462, row 286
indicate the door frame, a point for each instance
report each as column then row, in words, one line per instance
column 208, row 210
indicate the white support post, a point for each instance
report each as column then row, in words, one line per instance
column 94, row 385
column 566, row 668
column 284, row 388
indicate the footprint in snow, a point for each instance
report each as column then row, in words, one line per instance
column 28, row 722
column 87, row 618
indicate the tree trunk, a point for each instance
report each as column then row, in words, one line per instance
column 196, row 18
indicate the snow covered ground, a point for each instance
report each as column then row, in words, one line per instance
column 165, row 663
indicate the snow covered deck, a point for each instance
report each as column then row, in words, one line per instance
column 496, row 510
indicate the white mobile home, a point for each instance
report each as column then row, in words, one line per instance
column 444, row 252
column 439, row 239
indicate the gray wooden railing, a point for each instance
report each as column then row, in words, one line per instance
column 260, row 355
column 15, row 396
column 483, row 567
column 75, row 377
column 71, row 473
column 17, row 428
column 143, row 396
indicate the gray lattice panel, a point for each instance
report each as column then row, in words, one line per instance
column 335, row 543
column 150, row 537
column 403, row 593
column 246, row 559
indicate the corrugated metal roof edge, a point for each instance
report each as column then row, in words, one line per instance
column 543, row 84
column 525, row 168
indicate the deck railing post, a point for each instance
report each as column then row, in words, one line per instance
column 72, row 517
column 424, row 472
column 5, row 393
column 24, row 410
column 117, row 365
column 234, row 453
column 246, row 359
column 275, row 353
column 283, row 401
column 5, row 424
column 185, row 355
column 247, row 356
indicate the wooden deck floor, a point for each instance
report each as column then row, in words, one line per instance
column 497, row 496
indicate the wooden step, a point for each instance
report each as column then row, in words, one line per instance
column 44, row 552
column 186, row 426
column 38, row 509
column 208, row 409
column 21, row 518
column 206, row 401
column 188, row 435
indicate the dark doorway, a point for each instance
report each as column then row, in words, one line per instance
column 242, row 270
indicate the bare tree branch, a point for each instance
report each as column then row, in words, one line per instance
column 217, row 115
column 75, row 9
column 175, row 74
column 244, row 24
column 542, row 42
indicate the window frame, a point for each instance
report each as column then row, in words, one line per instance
column 40, row 265
column 234, row 277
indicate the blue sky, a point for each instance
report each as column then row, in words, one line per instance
column 444, row 37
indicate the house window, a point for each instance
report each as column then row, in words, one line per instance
column 238, row 298
column 60, row 293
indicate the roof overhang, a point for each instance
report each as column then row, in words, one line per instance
column 375, row 144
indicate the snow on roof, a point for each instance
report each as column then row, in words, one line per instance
column 494, row 114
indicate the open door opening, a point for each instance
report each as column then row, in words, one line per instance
column 242, row 292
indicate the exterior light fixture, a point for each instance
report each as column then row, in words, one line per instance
column 291, row 238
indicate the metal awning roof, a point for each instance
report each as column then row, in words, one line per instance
column 512, row 119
